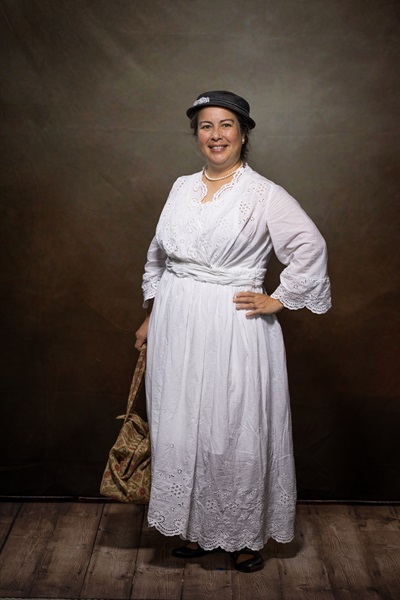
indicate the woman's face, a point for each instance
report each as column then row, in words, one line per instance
column 219, row 137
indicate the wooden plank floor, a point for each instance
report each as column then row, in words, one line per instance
column 107, row 551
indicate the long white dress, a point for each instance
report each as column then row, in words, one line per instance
column 217, row 393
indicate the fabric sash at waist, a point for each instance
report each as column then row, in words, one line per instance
column 236, row 277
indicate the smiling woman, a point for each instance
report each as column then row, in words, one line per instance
column 222, row 137
column 217, row 394
column 243, row 120
column 220, row 141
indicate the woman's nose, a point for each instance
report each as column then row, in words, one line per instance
column 216, row 134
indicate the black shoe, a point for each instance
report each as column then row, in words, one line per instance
column 255, row 563
column 185, row 552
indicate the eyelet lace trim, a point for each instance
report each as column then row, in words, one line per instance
column 274, row 533
column 149, row 290
column 317, row 299
column 217, row 196
column 232, row 516
column 231, row 523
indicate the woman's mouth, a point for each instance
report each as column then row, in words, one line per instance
column 217, row 148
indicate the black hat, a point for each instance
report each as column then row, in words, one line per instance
column 225, row 99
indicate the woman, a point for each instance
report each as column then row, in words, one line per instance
column 217, row 395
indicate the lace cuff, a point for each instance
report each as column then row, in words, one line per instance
column 149, row 290
column 314, row 294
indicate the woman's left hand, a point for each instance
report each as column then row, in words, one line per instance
column 257, row 304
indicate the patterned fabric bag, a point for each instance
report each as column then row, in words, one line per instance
column 127, row 475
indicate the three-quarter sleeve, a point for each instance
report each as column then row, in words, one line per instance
column 153, row 270
column 298, row 244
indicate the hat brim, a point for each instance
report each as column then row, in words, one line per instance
column 194, row 109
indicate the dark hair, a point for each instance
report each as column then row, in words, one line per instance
column 244, row 130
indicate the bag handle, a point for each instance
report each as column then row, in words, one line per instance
column 136, row 381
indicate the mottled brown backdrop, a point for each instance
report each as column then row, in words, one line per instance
column 93, row 134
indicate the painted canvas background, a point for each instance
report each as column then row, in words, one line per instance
column 93, row 133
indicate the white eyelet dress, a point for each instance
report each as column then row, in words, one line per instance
column 217, row 394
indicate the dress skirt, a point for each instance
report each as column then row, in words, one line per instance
column 218, row 405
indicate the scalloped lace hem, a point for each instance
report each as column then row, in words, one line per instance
column 294, row 301
column 208, row 545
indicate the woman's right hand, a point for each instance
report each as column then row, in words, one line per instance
column 141, row 334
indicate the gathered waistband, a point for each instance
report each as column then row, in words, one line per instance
column 237, row 277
